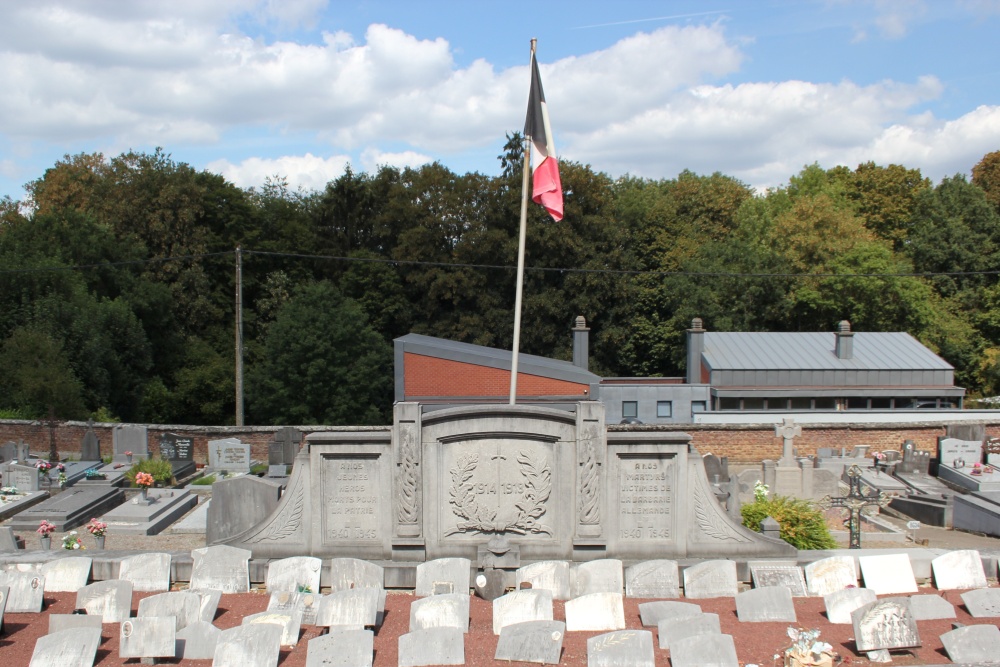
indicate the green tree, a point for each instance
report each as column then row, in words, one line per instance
column 36, row 377
column 986, row 175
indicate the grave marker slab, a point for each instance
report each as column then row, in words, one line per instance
column 8, row 540
column 841, row 604
column 966, row 452
column 982, row 602
column 434, row 646
column 221, row 568
column 209, row 603
column 229, row 454
column 111, row 600
column 521, row 606
column 295, row 574
column 765, row 574
column 130, row 438
column 531, row 641
column 162, row 509
column 66, row 575
column 958, row 569
column 702, row 650
column 25, row 591
column 931, row 607
column 443, row 575
column 256, row 645
column 182, row 606
column 884, row 625
column 830, row 575
column 282, row 450
column 651, row 613
column 197, row 641
column 597, row 576
column 238, row 504
column 443, row 611
column 972, row 644
column 24, row 478
column 306, row 604
column 277, row 472
column 653, row 579
column 90, row 446
column 888, row 574
column 346, row 648
column 76, row 647
column 671, row 631
column 346, row 573
column 179, row 451
column 4, row 593
column 711, row 579
column 627, row 647
column 71, row 508
column 355, row 607
column 147, row 637
column 762, row 605
column 550, row 575
column 595, row 612
column 290, row 624
column 148, row 572
column 60, row 622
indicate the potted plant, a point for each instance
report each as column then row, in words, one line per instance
column 977, row 469
column 70, row 541
column 128, row 455
column 98, row 529
column 45, row 530
column 144, row 480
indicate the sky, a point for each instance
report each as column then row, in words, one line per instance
column 299, row 89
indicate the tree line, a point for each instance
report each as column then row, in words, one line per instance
column 117, row 296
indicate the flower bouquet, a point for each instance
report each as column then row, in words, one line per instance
column 45, row 529
column 977, row 469
column 70, row 541
column 807, row 651
column 43, row 467
column 97, row 528
column 144, row 480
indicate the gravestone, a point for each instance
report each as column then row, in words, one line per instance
column 348, row 573
column 25, row 592
column 285, row 446
column 73, row 507
column 248, row 646
column 239, row 504
column 550, row 575
column 76, row 647
column 179, row 450
column 8, row 452
column 841, row 604
column 111, row 600
column 956, row 453
column 982, row 602
column 914, row 461
column 765, row 574
column 209, row 603
column 60, row 622
column 229, row 454
column 148, row 637
column 295, row 602
column 434, row 646
column 972, row 644
column 597, row 576
column 353, row 648
column 521, row 606
column 8, row 540
column 931, row 607
column 653, row 579
column 671, row 631
column 627, row 647
column 197, row 641
column 761, row 605
column 531, row 641
column 651, row 613
column 958, row 569
column 357, row 607
column 277, row 472
column 595, row 612
column 183, row 606
column 716, row 469
column 221, row 568
column 66, row 575
column 289, row 622
column 700, row 650
column 888, row 574
column 24, row 478
column 443, row 611
column 885, row 625
column 831, row 574
column 147, row 572
column 160, row 510
column 4, row 592
column 90, row 446
column 297, row 574
column 711, row 579
column 443, row 575
column 130, row 438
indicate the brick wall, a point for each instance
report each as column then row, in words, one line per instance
column 430, row 376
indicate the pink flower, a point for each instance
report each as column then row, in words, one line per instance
column 96, row 528
column 45, row 528
column 144, row 479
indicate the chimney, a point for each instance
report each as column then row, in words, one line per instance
column 845, row 340
column 696, row 346
column 581, row 344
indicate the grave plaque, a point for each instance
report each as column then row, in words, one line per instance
column 284, row 447
column 710, row 579
column 888, row 574
column 434, row 646
column 60, row 622
column 651, row 613
column 443, row 611
column 761, row 605
column 357, row 607
column 627, row 647
column 531, row 641
column 550, row 575
column 76, row 647
column 25, row 593
column 8, row 452
column 353, row 495
column 674, row 630
column 277, row 471
column 238, row 504
column 931, row 607
column 294, row 575
column 443, row 575
column 183, row 606
column 66, row 575
column 4, row 591
column 348, row 573
column 958, row 569
column 346, row 648
column 830, row 574
column 973, row 644
column 148, row 572
column 305, row 604
column 90, row 446
column 768, row 574
column 8, row 540
column 149, row 637
column 197, row 641
column 841, row 604
column 700, row 650
column 289, row 622
column 130, row 438
column 885, row 624
column 982, row 602
column 229, row 454
column 111, row 600
column 221, row 568
column 596, row 612
column 209, row 603
column 248, row 646
column 596, row 576
column 521, row 606
column 653, row 579
column 24, row 478
column 645, row 493
column 962, row 452
column 175, row 447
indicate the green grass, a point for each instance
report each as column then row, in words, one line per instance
column 207, row 480
column 802, row 525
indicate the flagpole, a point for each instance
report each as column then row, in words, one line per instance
column 522, row 234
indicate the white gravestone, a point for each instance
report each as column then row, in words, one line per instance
column 222, row 568
column 958, row 569
column 148, row 572
column 551, row 575
column 889, row 574
column 832, row 574
column 711, row 579
column 298, row 574
column 596, row 612
column 521, row 606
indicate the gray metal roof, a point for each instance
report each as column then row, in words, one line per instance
column 815, row 351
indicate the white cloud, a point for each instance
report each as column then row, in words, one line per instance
column 373, row 158
column 308, row 171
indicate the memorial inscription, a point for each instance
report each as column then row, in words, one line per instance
column 645, row 492
column 353, row 490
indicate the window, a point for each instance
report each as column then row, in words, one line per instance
column 699, row 406
column 725, row 403
column 857, row 403
column 630, row 409
column 664, row 409
column 801, row 403
column 881, row 403
column 777, row 403
column 826, row 403
column 753, row 403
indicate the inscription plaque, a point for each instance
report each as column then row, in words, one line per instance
column 353, row 491
column 645, row 489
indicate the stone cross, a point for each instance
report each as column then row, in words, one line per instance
column 787, row 430
column 855, row 501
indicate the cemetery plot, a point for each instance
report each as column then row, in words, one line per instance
column 69, row 509
column 136, row 518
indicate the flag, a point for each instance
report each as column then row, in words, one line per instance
column 546, row 186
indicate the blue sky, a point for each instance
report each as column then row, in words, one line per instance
column 300, row 88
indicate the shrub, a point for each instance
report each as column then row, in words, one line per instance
column 161, row 471
column 802, row 525
column 204, row 481
column 259, row 469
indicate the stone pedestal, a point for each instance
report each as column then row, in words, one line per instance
column 787, row 481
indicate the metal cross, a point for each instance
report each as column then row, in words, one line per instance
column 855, row 501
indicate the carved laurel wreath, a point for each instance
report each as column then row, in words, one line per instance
column 537, row 482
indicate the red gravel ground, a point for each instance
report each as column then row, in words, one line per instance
column 755, row 642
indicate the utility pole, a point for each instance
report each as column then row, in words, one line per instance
column 239, row 335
